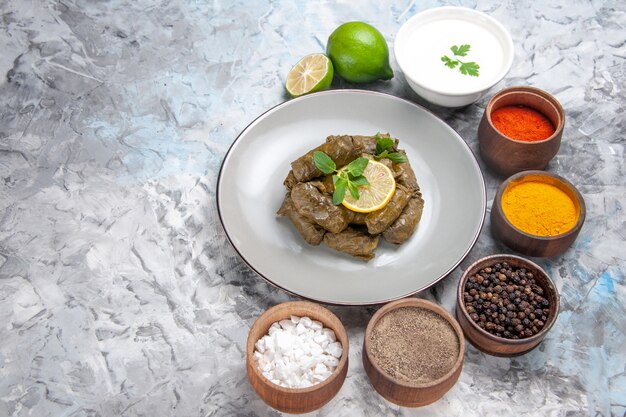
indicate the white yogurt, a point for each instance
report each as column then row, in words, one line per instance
column 431, row 36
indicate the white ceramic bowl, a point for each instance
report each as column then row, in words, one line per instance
column 428, row 36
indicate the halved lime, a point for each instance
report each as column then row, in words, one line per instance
column 312, row 73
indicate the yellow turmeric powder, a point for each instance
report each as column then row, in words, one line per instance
column 539, row 208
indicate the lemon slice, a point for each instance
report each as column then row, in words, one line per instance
column 377, row 194
column 312, row 73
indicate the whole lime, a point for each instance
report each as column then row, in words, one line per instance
column 359, row 53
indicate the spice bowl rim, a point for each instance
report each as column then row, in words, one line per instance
column 290, row 308
column 582, row 210
column 419, row 303
column 537, row 92
column 472, row 269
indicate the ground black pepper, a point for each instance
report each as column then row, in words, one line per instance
column 414, row 344
column 506, row 301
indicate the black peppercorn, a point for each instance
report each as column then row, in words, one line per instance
column 506, row 301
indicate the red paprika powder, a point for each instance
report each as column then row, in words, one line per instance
column 522, row 123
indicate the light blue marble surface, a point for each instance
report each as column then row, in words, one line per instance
column 119, row 292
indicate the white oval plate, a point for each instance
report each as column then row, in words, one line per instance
column 250, row 190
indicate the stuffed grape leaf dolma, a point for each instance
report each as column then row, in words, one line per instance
column 405, row 175
column 367, row 144
column 377, row 221
column 310, row 231
column 308, row 201
column 340, row 149
column 386, row 162
column 405, row 225
column 290, row 181
column 328, row 185
column 318, row 207
column 359, row 219
column 352, row 242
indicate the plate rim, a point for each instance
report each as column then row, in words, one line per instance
column 275, row 108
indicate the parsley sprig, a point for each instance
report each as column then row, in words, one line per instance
column 466, row 68
column 384, row 149
column 348, row 178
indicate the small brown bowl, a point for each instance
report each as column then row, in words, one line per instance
column 500, row 346
column 529, row 244
column 401, row 392
column 296, row 400
column 508, row 156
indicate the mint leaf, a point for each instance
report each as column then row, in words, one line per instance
column 340, row 190
column 354, row 190
column 343, row 175
column 381, row 155
column 383, row 144
column 397, row 157
column 448, row 62
column 360, row 181
column 347, row 178
column 357, row 166
column 383, row 147
column 469, row 68
column 323, row 162
column 460, row 50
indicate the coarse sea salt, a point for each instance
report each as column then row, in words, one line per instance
column 298, row 352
